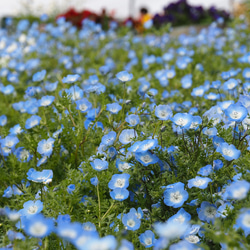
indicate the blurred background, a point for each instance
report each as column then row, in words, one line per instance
column 127, row 12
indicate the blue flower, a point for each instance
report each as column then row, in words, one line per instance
column 122, row 165
column 83, row 105
column 243, row 221
column 39, row 76
column 217, row 164
column 38, row 226
column 196, row 121
column 199, row 182
column 146, row 145
column 236, row 112
column 119, row 194
column 71, row 188
column 3, row 120
column 33, row 121
column 131, row 222
column 99, row 165
column 119, row 181
column 16, row 130
column 146, row 158
column 183, row 120
column 124, row 76
column 210, row 132
column 45, row 147
column 113, row 108
column 186, row 81
column 133, row 120
column 181, row 217
column 230, row 84
column 46, row 100
column 9, row 141
column 175, row 196
column 205, row 171
column 31, row 208
column 237, row 190
column 198, row 91
column 94, row 181
column 207, row 212
column 147, row 239
column 246, row 73
column 109, row 139
column 183, row 244
column 51, row 86
column 222, row 211
column 127, row 136
column 126, row 245
column 70, row 78
column 229, row 152
column 44, row 176
column 163, row 112
column 22, row 154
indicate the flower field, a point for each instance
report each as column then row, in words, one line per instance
column 112, row 140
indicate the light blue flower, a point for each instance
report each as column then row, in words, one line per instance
column 176, row 195
column 181, row 217
column 46, row 100
column 163, row 112
column 183, row 120
column 45, row 176
column 33, row 121
column 119, row 181
column 99, row 165
column 131, row 222
column 39, row 76
column 207, row 212
column 83, row 105
column 236, row 112
column 147, row 239
column 243, row 221
column 205, row 171
column 109, row 139
column 146, row 158
column 127, row 136
column 38, row 226
column 199, row 182
column 45, row 147
column 119, row 194
column 70, row 78
column 124, row 76
column 237, row 190
column 133, row 120
column 30, row 208
column 229, row 152
column 3, row 120
column 113, row 108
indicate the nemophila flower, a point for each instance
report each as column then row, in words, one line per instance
column 16, row 130
column 183, row 120
column 46, row 100
column 182, row 245
column 163, row 112
column 127, row 136
column 119, row 181
column 94, row 243
column 113, row 108
column 246, row 73
column 207, row 212
column 9, row 141
column 210, row 132
column 196, row 121
column 51, row 86
column 205, row 171
column 216, row 84
column 237, row 190
column 45, row 176
column 30, row 91
column 230, row 84
column 147, row 145
column 124, row 76
column 244, row 100
column 171, row 229
column 122, row 165
column 146, row 158
column 236, row 112
column 175, row 196
column 9, row 191
column 38, row 226
column 181, row 217
column 99, row 165
column 12, row 235
column 199, row 182
column 70, row 78
column 71, row 188
column 133, row 120
column 217, row 141
column 69, row 231
column 31, row 208
column 126, row 245
column 3, row 120
column 119, row 194
column 212, row 96
column 199, row 91
column 45, row 147
column 89, row 226
column 229, row 152
column 217, row 164
column 22, row 154
column 112, row 153
column 7, row 90
column 186, row 81
column 42, row 161
column 131, row 222
column 222, row 210
column 74, row 92
column 33, row 121
column 243, row 221
column 12, row 215
column 224, row 105
column 147, row 239
column 109, row 139
column 94, row 181
column 83, row 105
column 39, row 76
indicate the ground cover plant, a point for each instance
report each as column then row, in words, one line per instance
column 111, row 140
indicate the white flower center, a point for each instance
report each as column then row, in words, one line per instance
column 236, row 115
column 246, row 220
column 32, row 209
column 131, row 223
column 146, row 158
column 38, row 229
column 180, row 219
column 199, row 182
column 83, row 107
column 24, row 155
column 176, row 197
column 148, row 241
column 120, row 183
column 69, row 233
column 210, row 212
column 227, row 152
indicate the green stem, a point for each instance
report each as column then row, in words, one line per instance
column 99, row 205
